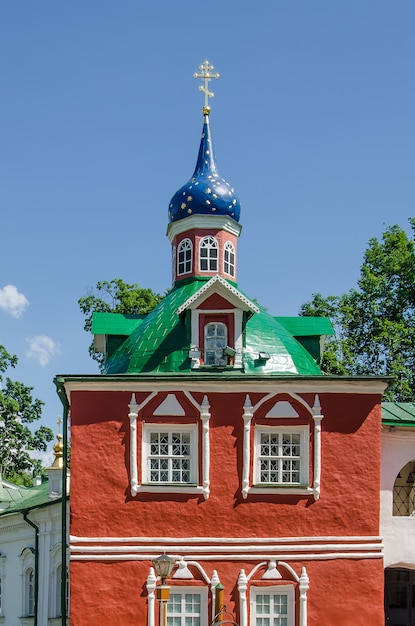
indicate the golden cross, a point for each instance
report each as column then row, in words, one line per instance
column 206, row 75
column 59, row 422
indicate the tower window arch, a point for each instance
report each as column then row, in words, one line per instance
column 208, row 254
column 216, row 338
column 229, row 259
column 184, row 257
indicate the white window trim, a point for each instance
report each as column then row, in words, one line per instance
column 303, row 586
column 229, row 247
column 211, row 244
column 28, row 562
column 205, row 338
column 204, row 459
column 189, row 246
column 237, row 324
column 191, row 429
column 203, row 591
column 303, row 431
column 272, row 590
column 247, row 485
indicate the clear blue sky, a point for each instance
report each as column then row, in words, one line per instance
column 313, row 123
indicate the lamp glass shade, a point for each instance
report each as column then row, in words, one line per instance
column 163, row 566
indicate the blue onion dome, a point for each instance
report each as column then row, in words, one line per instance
column 206, row 193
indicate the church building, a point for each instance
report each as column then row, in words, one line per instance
column 213, row 444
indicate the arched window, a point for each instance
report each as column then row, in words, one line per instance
column 216, row 339
column 184, row 257
column 208, row 255
column 29, row 592
column 229, row 259
column 404, row 491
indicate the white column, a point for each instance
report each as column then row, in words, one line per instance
column 215, row 581
column 303, row 587
column 151, row 597
column 247, row 417
column 133, row 414
column 243, row 605
column 205, row 417
column 317, row 417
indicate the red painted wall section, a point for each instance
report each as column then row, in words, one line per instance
column 341, row 593
column 195, row 236
column 102, row 504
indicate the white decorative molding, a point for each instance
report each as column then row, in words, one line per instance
column 272, row 572
column 247, row 418
column 170, row 406
column 317, row 416
column 151, row 583
column 205, row 417
column 243, row 605
column 204, row 222
column 304, row 584
column 213, row 584
column 218, row 284
column 182, row 572
column 132, row 415
column 170, row 401
column 282, row 408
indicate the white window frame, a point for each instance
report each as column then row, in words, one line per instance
column 273, row 590
column 303, row 431
column 209, row 243
column 223, row 360
column 202, row 591
column 185, row 266
column 29, row 592
column 192, row 430
column 229, row 259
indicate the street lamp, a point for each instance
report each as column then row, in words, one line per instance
column 163, row 567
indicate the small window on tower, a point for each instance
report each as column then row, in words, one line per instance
column 184, row 257
column 216, row 338
column 208, row 255
column 229, row 259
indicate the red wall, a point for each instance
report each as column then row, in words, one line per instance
column 101, row 506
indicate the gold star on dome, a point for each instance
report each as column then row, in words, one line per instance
column 189, row 198
column 208, row 190
column 183, row 205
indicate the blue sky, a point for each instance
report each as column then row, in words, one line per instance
column 313, row 123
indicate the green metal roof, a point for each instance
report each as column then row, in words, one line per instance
column 24, row 498
column 306, row 326
column 162, row 340
column 398, row 413
column 115, row 323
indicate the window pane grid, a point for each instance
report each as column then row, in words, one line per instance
column 280, row 457
column 170, row 457
column 184, row 257
column 229, row 259
column 183, row 609
column 271, row 610
column 215, row 343
column 208, row 254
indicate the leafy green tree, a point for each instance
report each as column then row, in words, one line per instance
column 375, row 324
column 116, row 296
column 18, row 411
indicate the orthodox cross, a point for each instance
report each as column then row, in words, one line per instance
column 59, row 422
column 206, row 75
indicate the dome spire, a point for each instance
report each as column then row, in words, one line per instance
column 206, row 193
column 206, row 69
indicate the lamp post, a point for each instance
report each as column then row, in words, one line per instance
column 163, row 567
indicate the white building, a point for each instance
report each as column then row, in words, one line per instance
column 31, row 550
column 398, row 511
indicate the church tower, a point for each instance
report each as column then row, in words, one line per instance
column 204, row 214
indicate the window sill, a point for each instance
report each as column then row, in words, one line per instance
column 282, row 489
column 27, row 621
column 169, row 488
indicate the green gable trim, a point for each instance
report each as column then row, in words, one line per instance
column 398, row 413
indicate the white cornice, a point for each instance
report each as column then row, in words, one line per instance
column 241, row 384
column 204, row 222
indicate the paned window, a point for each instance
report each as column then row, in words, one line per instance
column 169, row 454
column 187, row 607
column 281, row 456
column 229, row 259
column 404, row 491
column 208, row 255
column 184, row 257
column 272, row 606
column 30, row 592
column 216, row 338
